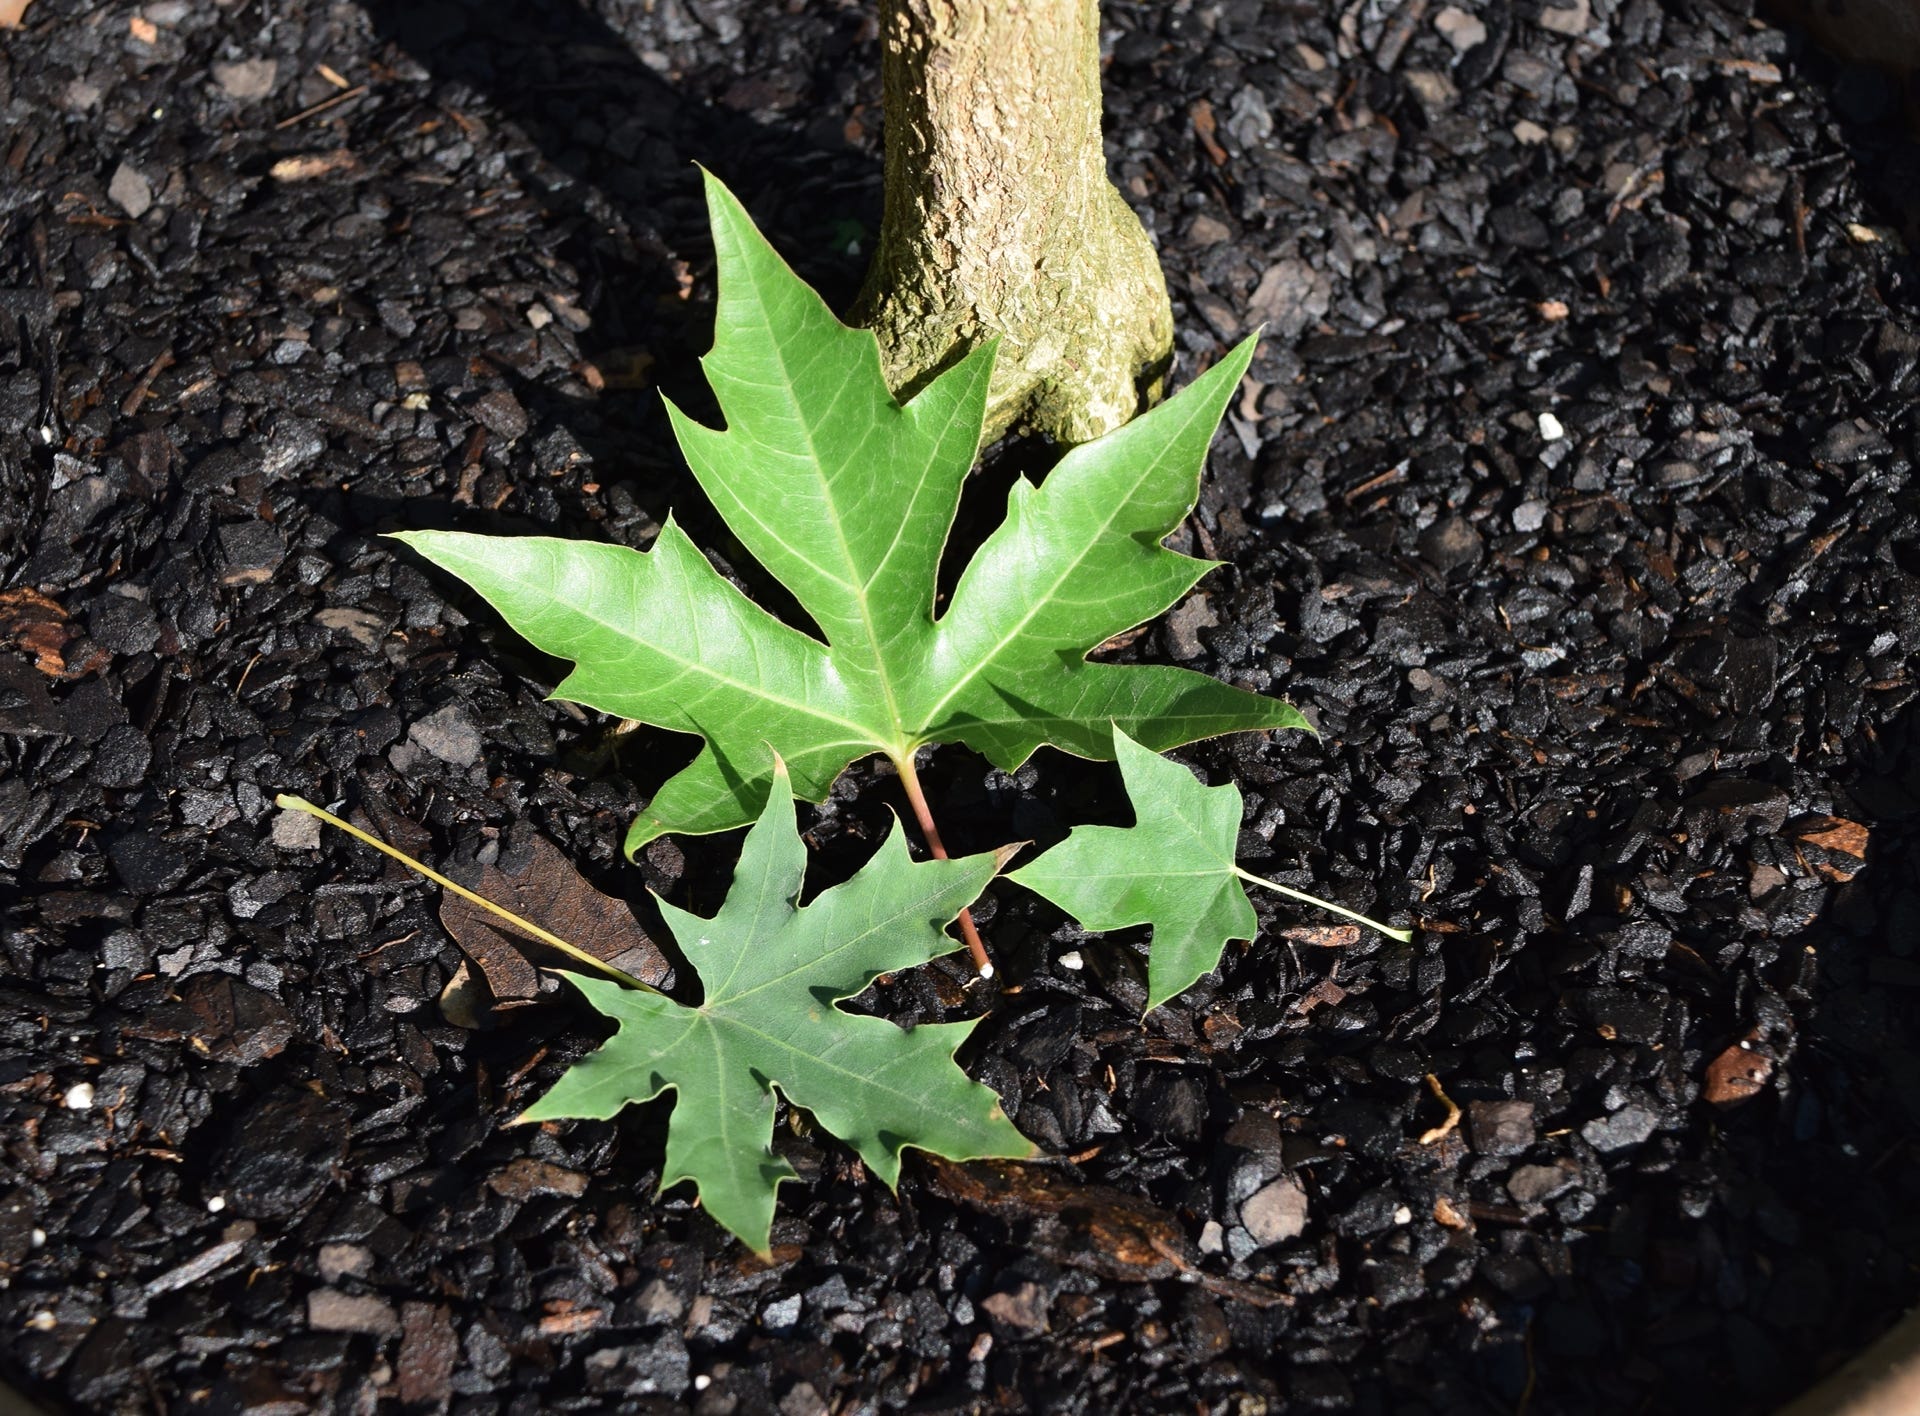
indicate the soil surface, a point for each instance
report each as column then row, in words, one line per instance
column 1570, row 494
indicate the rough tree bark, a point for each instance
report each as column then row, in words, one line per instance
column 1000, row 221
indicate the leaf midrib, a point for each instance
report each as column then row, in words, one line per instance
column 862, row 1080
column 851, row 581
column 863, row 734
column 819, row 960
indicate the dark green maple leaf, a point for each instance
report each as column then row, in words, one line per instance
column 773, row 972
column 846, row 496
column 1174, row 869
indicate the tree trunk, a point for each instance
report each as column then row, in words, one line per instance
column 1000, row 222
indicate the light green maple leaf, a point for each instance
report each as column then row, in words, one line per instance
column 773, row 973
column 846, row 496
column 1174, row 869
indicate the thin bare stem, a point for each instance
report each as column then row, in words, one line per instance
column 526, row 926
column 910, row 779
column 1405, row 936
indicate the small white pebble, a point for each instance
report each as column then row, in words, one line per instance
column 216, row 1203
column 79, row 1096
column 702, row 1382
column 38, row 1239
column 415, row 401
column 1072, row 960
column 1403, row 1215
column 1550, row 428
column 43, row 1321
column 539, row 316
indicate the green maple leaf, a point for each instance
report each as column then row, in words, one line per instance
column 773, row 973
column 1174, row 869
column 846, row 496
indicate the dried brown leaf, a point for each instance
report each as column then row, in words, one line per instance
column 1323, row 936
column 533, row 878
column 1834, row 833
column 37, row 625
column 1095, row 1227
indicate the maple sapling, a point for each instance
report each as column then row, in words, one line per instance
column 847, row 496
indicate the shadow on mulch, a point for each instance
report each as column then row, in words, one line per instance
column 1841, row 1145
column 628, row 137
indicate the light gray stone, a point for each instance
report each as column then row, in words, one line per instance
column 1536, row 1184
column 131, row 191
column 1276, row 1212
column 330, row 1310
column 362, row 626
column 1571, row 20
column 1022, row 1309
column 244, row 80
column 449, row 735
column 1461, row 30
column 344, row 1260
column 296, row 831
column 1432, row 88
column 1628, row 1126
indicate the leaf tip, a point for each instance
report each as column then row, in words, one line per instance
column 645, row 830
column 1006, row 853
column 717, row 193
column 780, row 789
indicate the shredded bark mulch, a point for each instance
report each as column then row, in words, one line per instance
column 1571, row 494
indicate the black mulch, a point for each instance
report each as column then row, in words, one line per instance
column 1571, row 494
